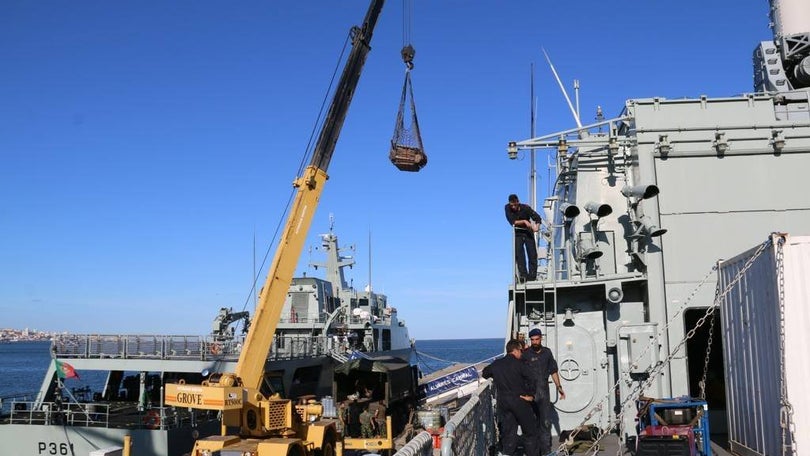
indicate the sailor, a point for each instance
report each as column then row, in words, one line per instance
column 366, row 422
column 526, row 222
column 377, row 411
column 542, row 364
column 514, row 384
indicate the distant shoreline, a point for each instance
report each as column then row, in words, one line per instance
column 14, row 341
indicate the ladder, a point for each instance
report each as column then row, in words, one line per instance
column 534, row 302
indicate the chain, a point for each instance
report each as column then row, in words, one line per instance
column 786, row 411
column 598, row 407
column 708, row 350
column 656, row 370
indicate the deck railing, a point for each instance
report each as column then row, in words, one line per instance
column 470, row 432
column 107, row 415
column 99, row 346
column 6, row 402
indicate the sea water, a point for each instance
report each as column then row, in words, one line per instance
column 23, row 364
column 22, row 367
column 437, row 354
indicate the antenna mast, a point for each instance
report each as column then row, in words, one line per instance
column 562, row 87
column 533, row 170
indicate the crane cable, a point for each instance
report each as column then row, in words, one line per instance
column 329, row 90
column 304, row 157
column 408, row 51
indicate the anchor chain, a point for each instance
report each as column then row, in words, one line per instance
column 786, row 411
column 708, row 351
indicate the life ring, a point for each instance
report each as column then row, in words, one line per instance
column 216, row 349
column 152, row 419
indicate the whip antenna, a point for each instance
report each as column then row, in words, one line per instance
column 562, row 87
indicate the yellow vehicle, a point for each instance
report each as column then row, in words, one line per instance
column 376, row 399
column 252, row 424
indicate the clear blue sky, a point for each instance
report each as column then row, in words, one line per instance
column 143, row 143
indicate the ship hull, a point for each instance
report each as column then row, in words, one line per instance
column 37, row 440
column 28, row 433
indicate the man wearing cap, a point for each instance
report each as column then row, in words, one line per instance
column 525, row 222
column 542, row 364
column 514, row 385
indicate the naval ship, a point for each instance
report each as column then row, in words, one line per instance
column 643, row 206
column 324, row 323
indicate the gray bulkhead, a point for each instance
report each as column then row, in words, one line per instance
column 729, row 171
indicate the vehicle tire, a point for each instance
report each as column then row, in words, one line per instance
column 329, row 446
column 296, row 450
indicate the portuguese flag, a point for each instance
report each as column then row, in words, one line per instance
column 65, row 370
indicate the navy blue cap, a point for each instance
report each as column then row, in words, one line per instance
column 535, row 332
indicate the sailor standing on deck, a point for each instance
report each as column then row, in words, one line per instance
column 514, row 384
column 542, row 364
column 526, row 222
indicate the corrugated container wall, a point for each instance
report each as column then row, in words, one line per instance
column 766, row 343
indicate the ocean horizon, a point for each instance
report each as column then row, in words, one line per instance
column 24, row 363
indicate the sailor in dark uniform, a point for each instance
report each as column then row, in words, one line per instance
column 525, row 222
column 542, row 364
column 514, row 385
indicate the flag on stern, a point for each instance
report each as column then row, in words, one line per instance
column 65, row 370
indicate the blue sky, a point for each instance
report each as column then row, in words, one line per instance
column 144, row 144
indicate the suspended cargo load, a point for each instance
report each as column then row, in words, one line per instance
column 407, row 152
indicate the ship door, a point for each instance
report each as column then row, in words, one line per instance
column 576, row 364
column 637, row 352
column 696, row 349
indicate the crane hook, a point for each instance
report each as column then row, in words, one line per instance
column 408, row 52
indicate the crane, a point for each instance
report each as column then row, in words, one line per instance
column 270, row 426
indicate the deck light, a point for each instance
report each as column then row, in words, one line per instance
column 720, row 143
column 664, row 147
column 613, row 145
column 613, row 292
column 562, row 147
column 512, row 150
column 777, row 140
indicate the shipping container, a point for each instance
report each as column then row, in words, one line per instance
column 766, row 346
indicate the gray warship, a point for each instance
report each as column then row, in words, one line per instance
column 643, row 206
column 324, row 323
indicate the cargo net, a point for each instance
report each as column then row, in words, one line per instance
column 407, row 152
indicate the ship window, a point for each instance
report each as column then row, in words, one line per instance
column 363, row 301
column 386, row 339
column 305, row 381
column 332, row 304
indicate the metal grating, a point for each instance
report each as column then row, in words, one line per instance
column 276, row 415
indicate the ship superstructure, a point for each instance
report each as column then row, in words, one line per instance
column 643, row 206
column 122, row 377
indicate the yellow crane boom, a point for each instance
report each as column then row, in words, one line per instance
column 237, row 394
